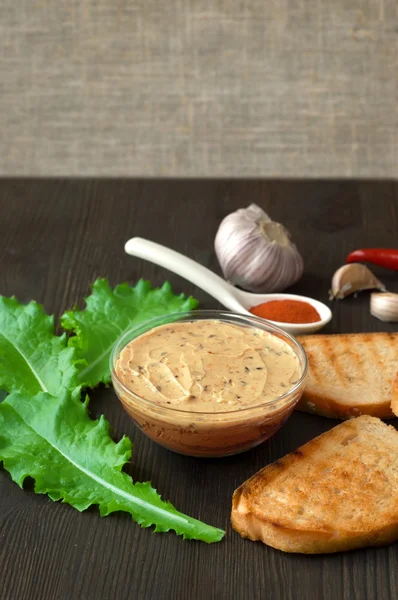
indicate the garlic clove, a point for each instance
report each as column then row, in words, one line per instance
column 353, row 278
column 257, row 253
column 384, row 306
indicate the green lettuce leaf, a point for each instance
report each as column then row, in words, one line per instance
column 71, row 457
column 32, row 358
column 110, row 313
column 46, row 433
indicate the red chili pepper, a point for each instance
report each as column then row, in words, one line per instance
column 384, row 257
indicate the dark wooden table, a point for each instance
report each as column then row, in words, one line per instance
column 56, row 237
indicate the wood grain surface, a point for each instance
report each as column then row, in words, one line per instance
column 56, row 237
column 199, row 88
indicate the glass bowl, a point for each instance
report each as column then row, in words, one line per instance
column 209, row 434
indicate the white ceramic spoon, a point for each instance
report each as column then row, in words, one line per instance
column 232, row 298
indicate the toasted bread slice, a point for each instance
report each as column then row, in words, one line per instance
column 394, row 401
column 350, row 374
column 338, row 492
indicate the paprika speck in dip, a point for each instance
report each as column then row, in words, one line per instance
column 287, row 311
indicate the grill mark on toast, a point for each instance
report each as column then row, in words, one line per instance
column 313, row 364
column 374, row 356
column 350, row 359
column 393, row 348
column 333, row 358
column 372, row 352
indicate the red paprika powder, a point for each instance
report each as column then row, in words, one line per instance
column 287, row 311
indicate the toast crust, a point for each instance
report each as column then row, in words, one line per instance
column 303, row 502
column 318, row 404
column 394, row 401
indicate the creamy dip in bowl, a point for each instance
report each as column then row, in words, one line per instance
column 208, row 383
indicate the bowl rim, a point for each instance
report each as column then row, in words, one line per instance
column 218, row 315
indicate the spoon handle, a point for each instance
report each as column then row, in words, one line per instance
column 186, row 268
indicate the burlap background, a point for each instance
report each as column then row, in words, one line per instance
column 199, row 87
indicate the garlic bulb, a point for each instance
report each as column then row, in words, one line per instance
column 384, row 307
column 256, row 253
column 353, row 278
